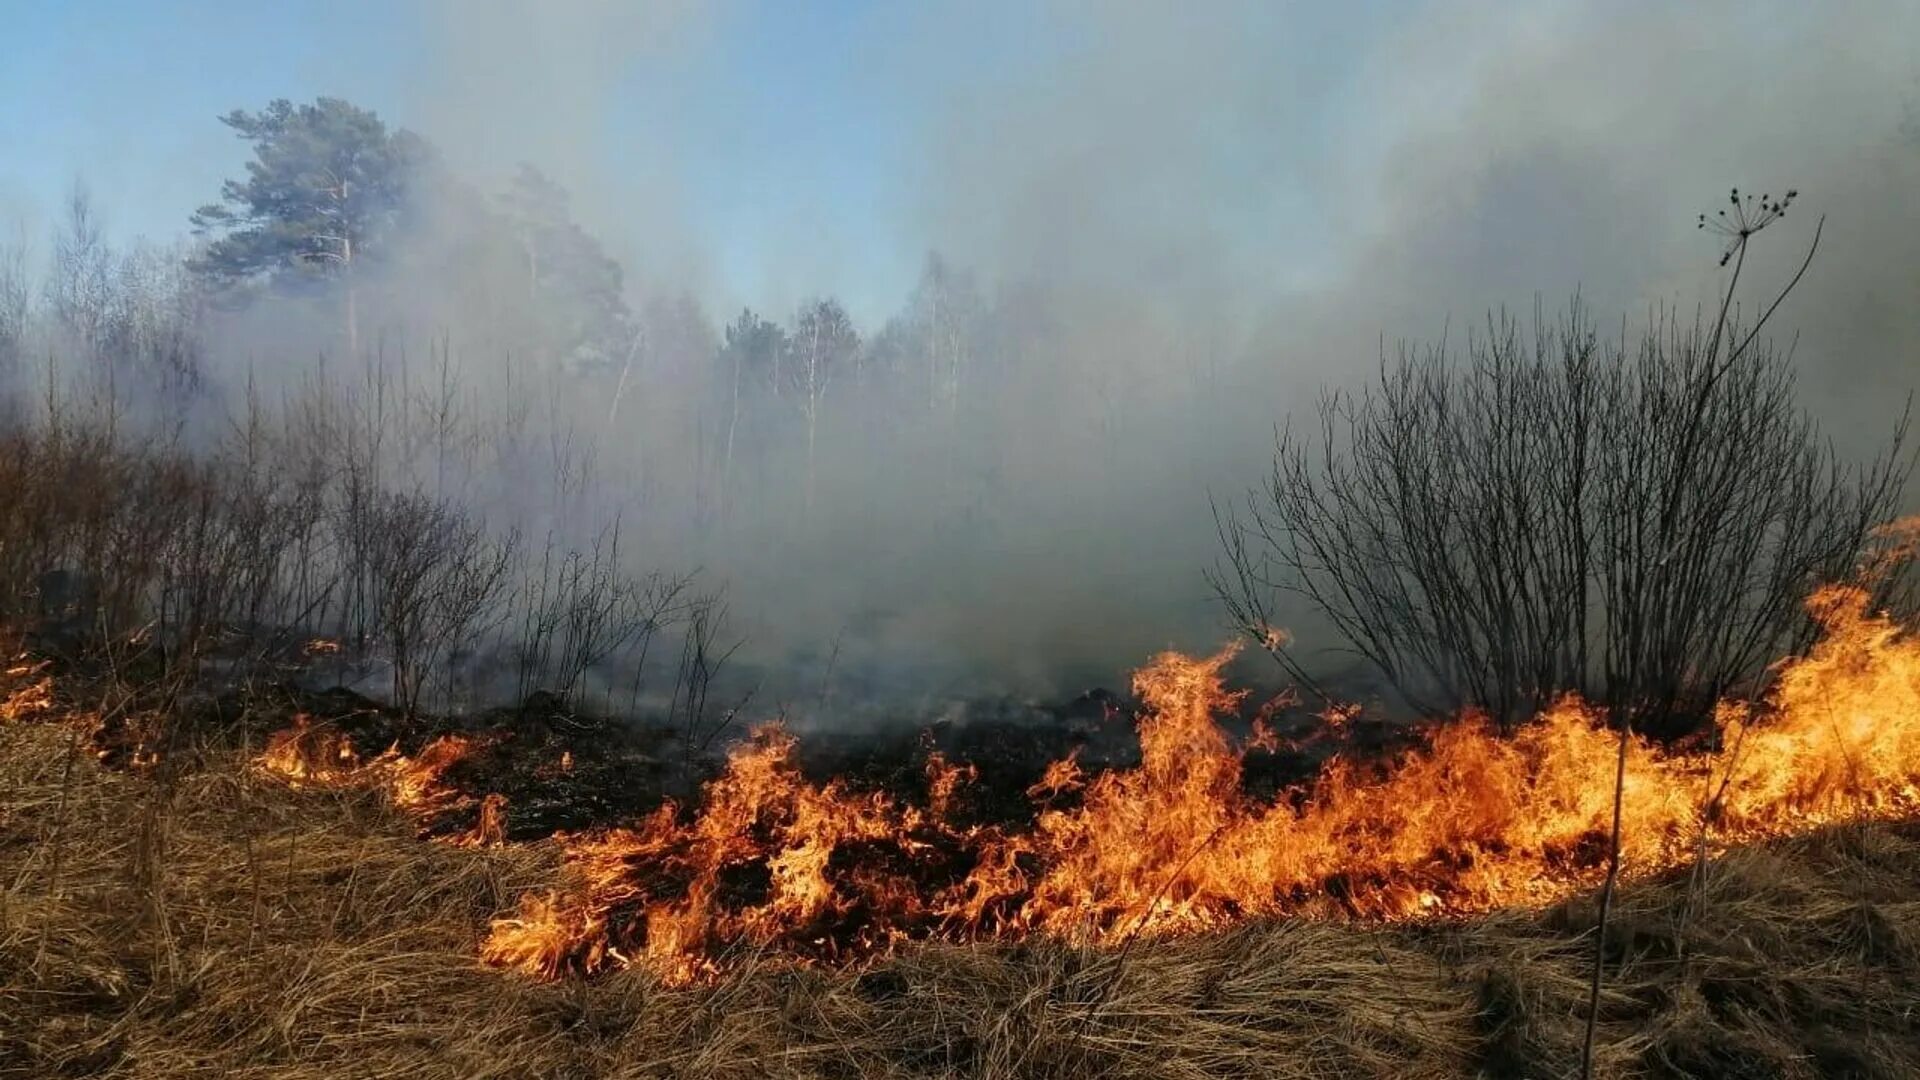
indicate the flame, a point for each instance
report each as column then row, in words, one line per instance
column 31, row 698
column 415, row 782
column 489, row 829
column 29, row 702
column 311, row 755
column 316, row 755
column 944, row 780
column 1468, row 823
column 665, row 890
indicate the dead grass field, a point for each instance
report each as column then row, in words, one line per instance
column 213, row 924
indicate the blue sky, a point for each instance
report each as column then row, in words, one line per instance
column 127, row 94
column 755, row 151
column 769, row 143
column 774, row 117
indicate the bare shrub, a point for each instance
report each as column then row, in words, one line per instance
column 702, row 657
column 1559, row 511
column 173, row 533
column 176, row 558
column 432, row 572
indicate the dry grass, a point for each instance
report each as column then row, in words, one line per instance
column 211, row 924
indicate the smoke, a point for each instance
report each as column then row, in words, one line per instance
column 1588, row 136
column 1181, row 221
column 1225, row 217
column 507, row 82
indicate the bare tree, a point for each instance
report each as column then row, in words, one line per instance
column 822, row 341
column 702, row 656
column 79, row 285
column 434, row 572
column 15, row 308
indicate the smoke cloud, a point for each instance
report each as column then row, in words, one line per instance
column 1179, row 223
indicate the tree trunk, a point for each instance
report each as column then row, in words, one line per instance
column 813, row 409
column 733, row 423
column 353, row 312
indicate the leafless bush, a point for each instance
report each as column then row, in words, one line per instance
column 582, row 609
column 432, row 572
column 163, row 557
column 173, row 531
column 1560, row 512
column 702, row 656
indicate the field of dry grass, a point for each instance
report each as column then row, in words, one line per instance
column 211, row 923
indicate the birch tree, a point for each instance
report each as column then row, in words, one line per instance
column 823, row 341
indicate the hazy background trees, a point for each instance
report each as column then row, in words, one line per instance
column 1012, row 473
column 16, row 285
column 574, row 291
column 824, row 345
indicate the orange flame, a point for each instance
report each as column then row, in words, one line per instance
column 1469, row 823
column 30, row 702
column 490, row 828
column 31, row 696
column 311, row 755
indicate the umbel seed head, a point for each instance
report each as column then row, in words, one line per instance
column 1749, row 216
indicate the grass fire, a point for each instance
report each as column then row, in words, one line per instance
column 1414, row 912
column 1010, row 540
column 771, row 864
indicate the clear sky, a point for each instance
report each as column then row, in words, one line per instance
column 126, row 94
column 754, row 144
column 770, row 118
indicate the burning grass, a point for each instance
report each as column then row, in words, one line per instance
column 218, row 923
column 824, row 873
column 275, row 913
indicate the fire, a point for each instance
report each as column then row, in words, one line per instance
column 28, row 702
column 30, row 696
column 665, row 891
column 490, row 828
column 312, row 755
column 1471, row 822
